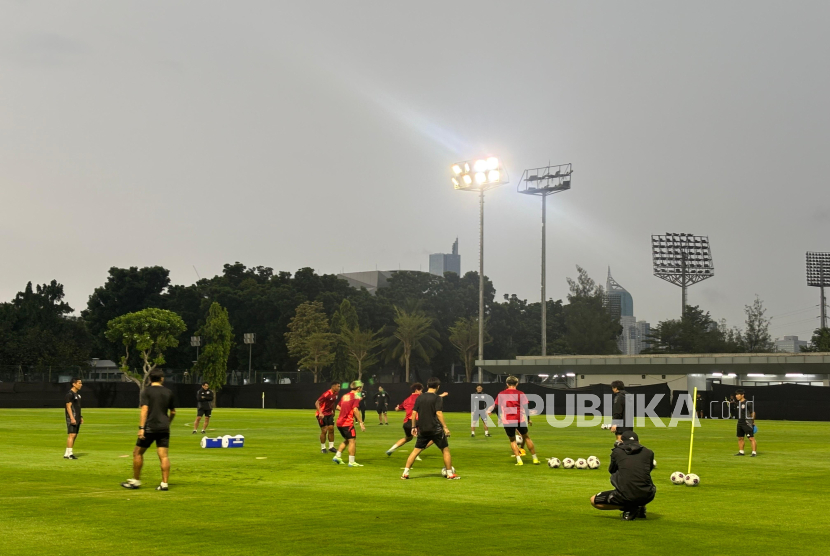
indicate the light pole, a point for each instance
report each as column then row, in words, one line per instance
column 543, row 182
column 479, row 175
column 818, row 275
column 683, row 260
column 249, row 339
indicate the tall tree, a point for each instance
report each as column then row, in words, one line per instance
column 696, row 332
column 343, row 319
column 820, row 342
column 412, row 334
column 308, row 338
column 589, row 328
column 218, row 335
column 464, row 337
column 149, row 332
column 360, row 345
column 757, row 338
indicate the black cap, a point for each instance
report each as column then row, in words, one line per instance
column 630, row 436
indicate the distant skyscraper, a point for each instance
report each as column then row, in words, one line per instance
column 439, row 263
column 790, row 344
column 620, row 304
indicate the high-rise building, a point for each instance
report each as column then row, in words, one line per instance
column 620, row 304
column 439, row 263
column 790, row 344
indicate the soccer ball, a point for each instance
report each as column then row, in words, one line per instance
column 444, row 471
column 678, row 478
column 568, row 463
column 554, row 463
column 581, row 464
column 692, row 480
column 654, row 463
column 593, row 462
column 519, row 438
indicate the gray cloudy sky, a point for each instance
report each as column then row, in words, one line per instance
column 293, row 134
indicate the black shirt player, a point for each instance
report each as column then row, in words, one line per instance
column 204, row 397
column 382, row 403
column 154, row 426
column 429, row 426
column 72, row 411
column 746, row 422
column 630, row 468
column 619, row 425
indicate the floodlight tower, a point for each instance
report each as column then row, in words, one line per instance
column 818, row 275
column 543, row 182
column 682, row 259
column 479, row 175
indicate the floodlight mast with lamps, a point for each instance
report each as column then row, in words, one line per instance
column 479, row 175
column 682, row 259
column 818, row 275
column 543, row 182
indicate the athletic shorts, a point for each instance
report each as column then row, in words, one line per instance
column 203, row 412
column 511, row 431
column 381, row 409
column 407, row 429
column 615, row 498
column 438, row 438
column 347, row 432
column 745, row 429
column 72, row 429
column 162, row 440
column 325, row 420
column 623, row 430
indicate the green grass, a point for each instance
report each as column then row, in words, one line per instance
column 298, row 502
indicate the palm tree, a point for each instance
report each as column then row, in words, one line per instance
column 413, row 334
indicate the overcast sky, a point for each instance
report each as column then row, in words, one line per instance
column 293, row 134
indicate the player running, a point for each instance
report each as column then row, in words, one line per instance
column 325, row 405
column 512, row 404
column 153, row 426
column 479, row 397
column 204, row 397
column 407, row 406
column 349, row 411
column 73, row 416
column 746, row 423
column 430, row 428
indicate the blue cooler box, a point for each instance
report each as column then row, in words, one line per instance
column 237, row 441
column 211, row 442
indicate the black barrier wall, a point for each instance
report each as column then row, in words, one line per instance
column 791, row 402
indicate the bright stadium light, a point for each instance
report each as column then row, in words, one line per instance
column 543, row 182
column 682, row 259
column 487, row 173
column 818, row 276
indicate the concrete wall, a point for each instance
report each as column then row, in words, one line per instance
column 674, row 382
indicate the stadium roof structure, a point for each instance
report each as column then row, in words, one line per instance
column 773, row 363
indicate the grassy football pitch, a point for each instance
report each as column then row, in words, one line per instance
column 296, row 501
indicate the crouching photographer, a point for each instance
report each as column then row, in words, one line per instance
column 630, row 468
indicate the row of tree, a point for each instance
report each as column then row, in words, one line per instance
column 321, row 324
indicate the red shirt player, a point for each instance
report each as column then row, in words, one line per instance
column 407, row 406
column 349, row 410
column 325, row 405
column 512, row 404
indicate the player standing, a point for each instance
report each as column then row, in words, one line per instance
column 630, row 468
column 154, row 426
column 204, row 397
column 430, row 428
column 513, row 410
column 381, row 401
column 325, row 405
column 73, row 416
column 349, row 411
column 619, row 425
column 746, row 423
column 479, row 397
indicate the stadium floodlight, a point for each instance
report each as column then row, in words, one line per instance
column 250, row 339
column 682, row 259
column 543, row 182
column 479, row 175
column 818, row 275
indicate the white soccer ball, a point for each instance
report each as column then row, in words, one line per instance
column 581, row 464
column 444, row 471
column 678, row 478
column 554, row 463
column 593, row 462
column 692, row 480
column 654, row 463
column 568, row 463
column 519, row 438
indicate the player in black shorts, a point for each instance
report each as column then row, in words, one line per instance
column 154, row 426
column 381, row 402
column 630, row 468
column 746, row 423
column 429, row 426
column 619, row 425
column 204, row 397
column 73, row 416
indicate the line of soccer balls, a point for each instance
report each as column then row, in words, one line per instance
column 679, row 478
column 580, row 463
